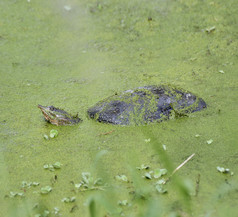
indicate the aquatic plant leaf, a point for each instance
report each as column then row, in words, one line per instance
column 53, row 133
column 68, row 199
column 57, row 165
column 46, row 137
column 21, row 194
column 159, row 172
column 24, row 184
column 122, row 178
column 143, row 167
column 67, row 7
column 123, row 202
column 223, row 170
column 86, row 177
column 211, row 29
column 161, row 182
column 15, row 194
column 46, row 213
column 49, row 167
column 72, row 199
column 56, row 211
column 52, row 167
column 78, row 185
column 35, row 183
column 210, row 141
column 98, row 181
column 147, row 140
column 89, row 183
column 46, row 166
column 29, row 184
column 161, row 189
column 148, row 176
column 46, row 190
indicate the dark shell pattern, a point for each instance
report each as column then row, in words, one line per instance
column 146, row 104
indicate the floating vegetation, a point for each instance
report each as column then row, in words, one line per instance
column 224, row 170
column 159, row 172
column 211, row 29
column 57, row 165
column 143, row 167
column 46, row 137
column 56, row 211
column 148, row 175
column 147, row 140
column 68, row 199
column 123, row 203
column 15, row 194
column 67, row 7
column 26, row 184
column 160, row 188
column 210, row 141
column 44, row 214
column 53, row 133
column 122, row 178
column 45, row 190
column 155, row 174
column 52, row 167
column 89, row 183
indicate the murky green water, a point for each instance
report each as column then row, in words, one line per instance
column 71, row 58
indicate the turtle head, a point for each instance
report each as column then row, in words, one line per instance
column 57, row 116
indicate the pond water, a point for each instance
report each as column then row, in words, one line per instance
column 71, row 54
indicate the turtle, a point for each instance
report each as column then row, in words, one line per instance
column 139, row 106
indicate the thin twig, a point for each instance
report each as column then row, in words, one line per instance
column 181, row 165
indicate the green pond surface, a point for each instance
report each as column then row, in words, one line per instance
column 71, row 54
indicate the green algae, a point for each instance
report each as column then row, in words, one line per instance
column 72, row 59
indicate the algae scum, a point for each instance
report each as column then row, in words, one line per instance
column 73, row 54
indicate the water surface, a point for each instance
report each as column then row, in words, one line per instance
column 71, row 54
